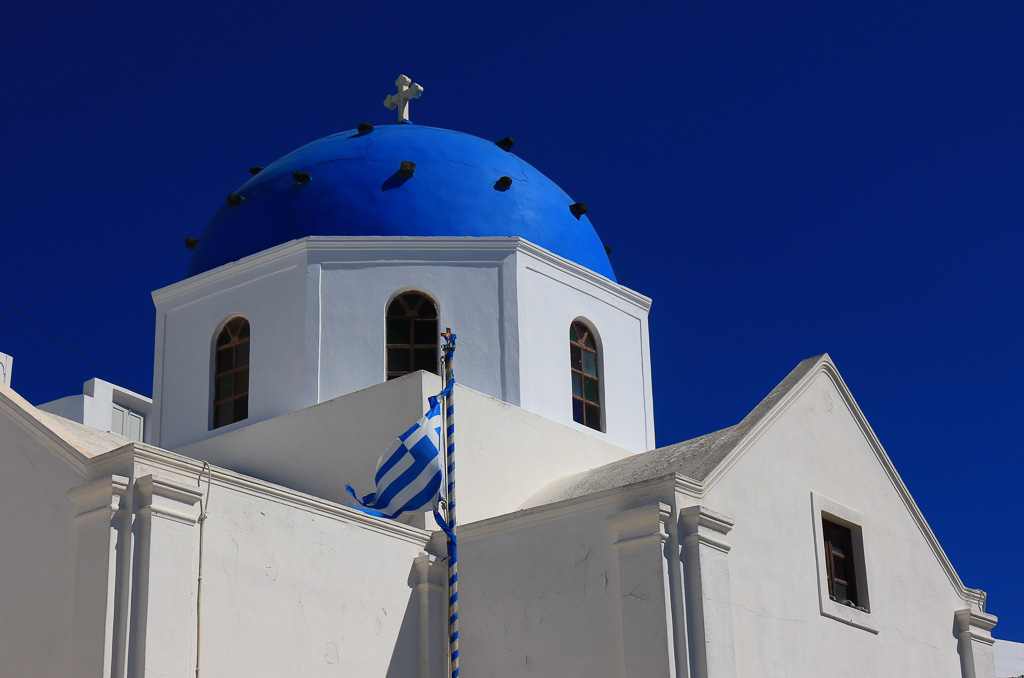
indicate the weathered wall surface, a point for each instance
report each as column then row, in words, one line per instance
column 291, row 590
column 550, row 300
column 272, row 296
column 37, row 556
column 504, row 453
column 473, row 287
column 816, row 445
column 540, row 598
column 292, row 584
column 580, row 588
column 317, row 314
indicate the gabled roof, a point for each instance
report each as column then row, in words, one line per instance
column 699, row 463
column 77, row 442
column 695, row 459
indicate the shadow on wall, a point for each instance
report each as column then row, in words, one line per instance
column 405, row 656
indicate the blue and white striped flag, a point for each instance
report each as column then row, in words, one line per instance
column 409, row 474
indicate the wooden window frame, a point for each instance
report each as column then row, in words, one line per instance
column 422, row 321
column 832, row 556
column 825, row 511
column 586, row 408
column 237, row 399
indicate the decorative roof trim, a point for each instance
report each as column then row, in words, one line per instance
column 157, row 458
column 392, row 244
column 824, row 365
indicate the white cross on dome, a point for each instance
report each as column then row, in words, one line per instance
column 407, row 89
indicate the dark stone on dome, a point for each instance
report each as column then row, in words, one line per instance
column 452, row 195
column 407, row 169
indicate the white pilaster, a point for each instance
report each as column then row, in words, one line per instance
column 432, row 613
column 974, row 631
column 99, row 536
column 645, row 590
column 166, row 578
column 708, row 592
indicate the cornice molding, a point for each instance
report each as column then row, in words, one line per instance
column 607, row 500
column 31, row 421
column 172, row 463
column 391, row 246
column 641, row 526
column 167, row 498
column 101, row 498
column 702, row 526
column 825, row 366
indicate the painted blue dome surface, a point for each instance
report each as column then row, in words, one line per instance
column 355, row 190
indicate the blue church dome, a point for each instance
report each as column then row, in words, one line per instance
column 461, row 185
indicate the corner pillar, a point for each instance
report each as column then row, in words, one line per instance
column 708, row 592
column 99, row 531
column 431, row 574
column 645, row 590
column 974, row 633
column 166, row 578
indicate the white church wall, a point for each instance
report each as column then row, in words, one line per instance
column 817, row 445
column 270, row 292
column 321, row 448
column 540, row 595
column 584, row 587
column 317, row 313
column 107, row 407
column 1009, row 658
column 471, row 281
column 552, row 296
column 37, row 555
column 293, row 585
column 504, row 453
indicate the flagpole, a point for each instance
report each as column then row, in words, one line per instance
column 453, row 560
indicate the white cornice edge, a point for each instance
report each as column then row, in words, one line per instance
column 975, row 597
column 17, row 409
column 537, row 515
column 174, row 463
column 308, row 244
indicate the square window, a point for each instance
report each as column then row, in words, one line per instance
column 839, row 541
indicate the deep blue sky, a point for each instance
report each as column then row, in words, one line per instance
column 783, row 179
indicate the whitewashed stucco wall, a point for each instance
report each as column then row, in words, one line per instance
column 317, row 309
column 540, row 597
column 37, row 556
column 301, row 588
column 551, row 298
column 505, row 453
column 271, row 294
column 817, row 446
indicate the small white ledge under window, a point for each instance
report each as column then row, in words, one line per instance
column 822, row 508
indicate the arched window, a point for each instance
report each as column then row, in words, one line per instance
column 586, row 386
column 411, row 335
column 231, row 374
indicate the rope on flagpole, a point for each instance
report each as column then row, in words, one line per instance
column 453, row 559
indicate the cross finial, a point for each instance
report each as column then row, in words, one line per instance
column 407, row 89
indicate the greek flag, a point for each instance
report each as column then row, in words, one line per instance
column 409, row 474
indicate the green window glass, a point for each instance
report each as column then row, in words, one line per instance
column 583, row 368
column 231, row 373
column 411, row 335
